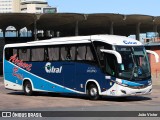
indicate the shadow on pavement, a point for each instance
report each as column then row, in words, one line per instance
column 84, row 97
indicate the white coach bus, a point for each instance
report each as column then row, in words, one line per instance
column 95, row 65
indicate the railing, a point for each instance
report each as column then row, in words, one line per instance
column 151, row 40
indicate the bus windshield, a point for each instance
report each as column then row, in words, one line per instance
column 135, row 64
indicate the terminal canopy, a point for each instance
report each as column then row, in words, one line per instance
column 70, row 24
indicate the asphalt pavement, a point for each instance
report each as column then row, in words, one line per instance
column 17, row 101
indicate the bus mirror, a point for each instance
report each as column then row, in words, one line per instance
column 155, row 54
column 117, row 54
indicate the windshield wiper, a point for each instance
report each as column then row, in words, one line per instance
column 134, row 67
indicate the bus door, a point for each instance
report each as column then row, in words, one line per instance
column 69, row 75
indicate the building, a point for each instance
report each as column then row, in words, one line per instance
column 33, row 6
column 25, row 6
column 10, row 6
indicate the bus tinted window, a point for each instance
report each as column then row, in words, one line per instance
column 68, row 53
column 89, row 55
column 72, row 53
column 37, row 54
column 63, row 53
column 101, row 56
column 53, row 53
column 15, row 51
column 8, row 53
column 24, row 54
column 81, row 53
column 84, row 53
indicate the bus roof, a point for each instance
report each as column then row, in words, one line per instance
column 110, row 39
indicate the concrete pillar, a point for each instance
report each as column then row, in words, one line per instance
column 155, row 28
column 138, row 31
column 76, row 29
column 4, row 31
column 155, row 31
column 18, row 32
column 35, row 29
column 111, row 28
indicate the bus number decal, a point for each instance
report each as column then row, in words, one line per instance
column 91, row 70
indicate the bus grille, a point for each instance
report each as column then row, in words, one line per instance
column 138, row 87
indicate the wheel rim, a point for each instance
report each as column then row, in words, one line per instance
column 93, row 92
column 28, row 88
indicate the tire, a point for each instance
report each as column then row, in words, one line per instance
column 93, row 92
column 27, row 88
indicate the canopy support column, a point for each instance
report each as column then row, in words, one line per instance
column 77, row 29
column 138, row 31
column 111, row 28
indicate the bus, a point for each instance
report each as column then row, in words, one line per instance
column 95, row 65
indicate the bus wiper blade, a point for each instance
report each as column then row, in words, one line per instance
column 134, row 67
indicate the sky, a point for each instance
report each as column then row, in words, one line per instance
column 146, row 7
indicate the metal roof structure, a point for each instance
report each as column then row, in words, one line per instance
column 70, row 24
column 18, row 20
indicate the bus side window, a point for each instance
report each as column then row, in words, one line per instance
column 63, row 53
column 81, row 52
column 9, row 53
column 68, row 53
column 15, row 51
column 37, row 54
column 100, row 54
column 89, row 55
column 53, row 53
column 73, row 52
column 110, row 64
column 24, row 54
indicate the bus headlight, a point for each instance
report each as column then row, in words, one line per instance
column 149, row 83
column 119, row 82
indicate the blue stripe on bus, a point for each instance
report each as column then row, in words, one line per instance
column 131, row 83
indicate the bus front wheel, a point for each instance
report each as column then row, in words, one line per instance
column 28, row 88
column 93, row 92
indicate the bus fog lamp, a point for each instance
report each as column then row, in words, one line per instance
column 123, row 91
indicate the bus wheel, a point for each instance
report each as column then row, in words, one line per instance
column 28, row 88
column 93, row 92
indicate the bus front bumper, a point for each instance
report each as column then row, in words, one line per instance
column 119, row 90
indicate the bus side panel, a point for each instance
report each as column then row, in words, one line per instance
column 60, row 73
column 86, row 72
column 11, row 80
column 39, row 83
column 65, row 76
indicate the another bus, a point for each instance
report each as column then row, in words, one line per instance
column 96, row 65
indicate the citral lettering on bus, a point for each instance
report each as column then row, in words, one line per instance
column 52, row 69
column 129, row 42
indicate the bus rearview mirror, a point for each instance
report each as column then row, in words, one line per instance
column 117, row 54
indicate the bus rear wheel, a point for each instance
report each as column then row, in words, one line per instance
column 28, row 88
column 93, row 92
